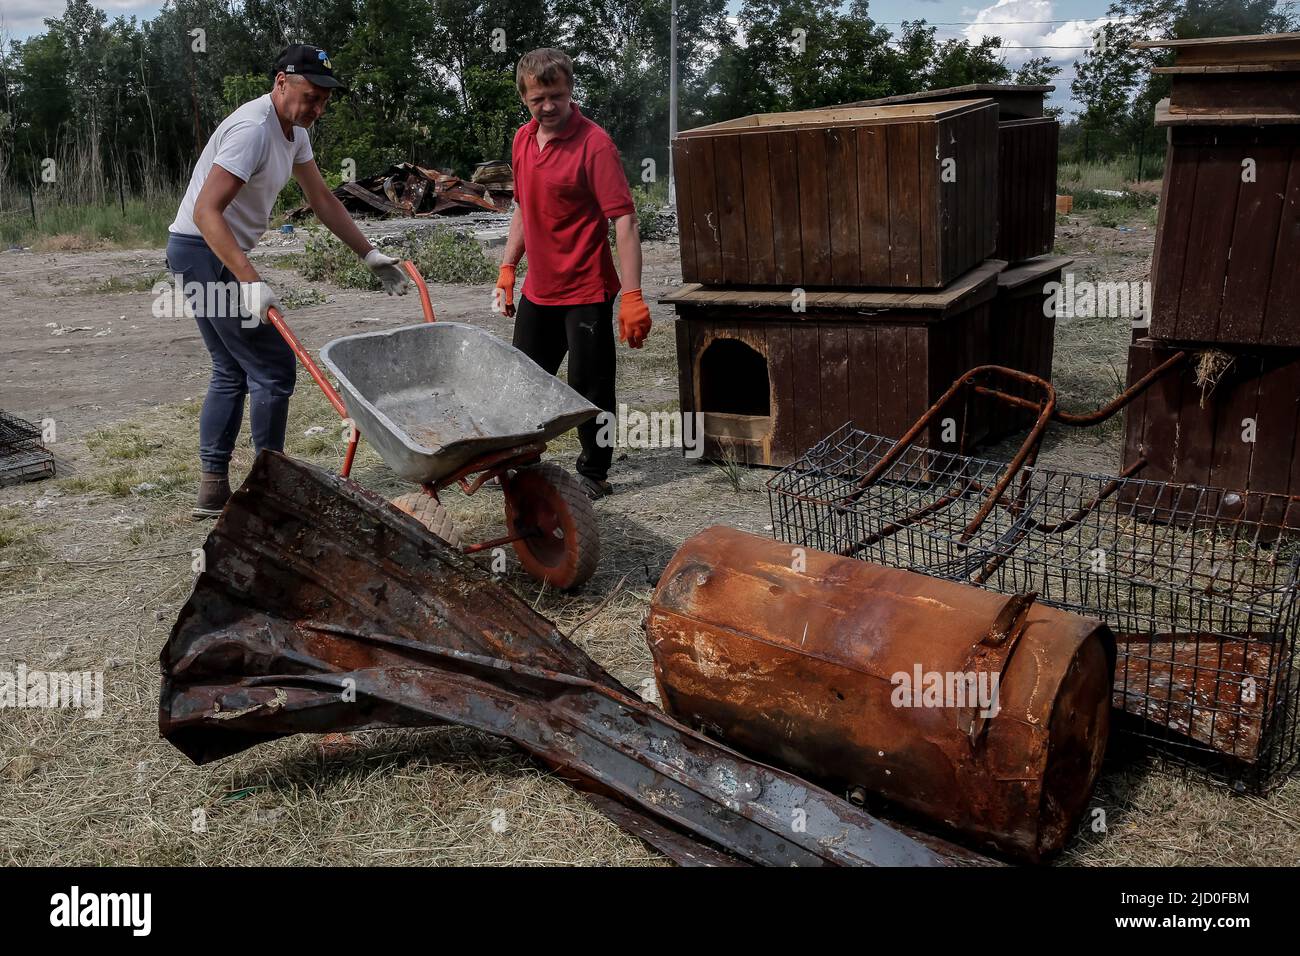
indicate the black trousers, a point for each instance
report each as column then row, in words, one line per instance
column 546, row 333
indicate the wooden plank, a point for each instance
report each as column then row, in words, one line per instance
column 784, row 190
column 970, row 227
column 1023, row 189
column 757, row 176
column 1214, row 206
column 1235, row 400
column 986, row 194
column 681, row 293
column 864, row 381
column 991, row 185
column 956, row 223
column 836, row 116
column 1240, row 92
column 704, row 204
column 1283, row 323
column 1038, row 271
column 685, row 210
column 1193, row 454
column 932, row 269
column 891, row 364
column 1173, row 235
column 1047, row 214
column 814, row 206
column 731, row 210
column 1009, row 225
column 974, row 286
column 780, row 369
column 686, row 385
column 920, row 391
column 1136, row 415
column 904, row 225
column 873, row 204
column 1254, row 241
column 1275, row 466
column 1161, row 426
column 842, row 191
column 834, row 379
column 806, row 398
column 1017, row 100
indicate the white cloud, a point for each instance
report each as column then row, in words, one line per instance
column 1014, row 22
column 1007, row 19
column 23, row 18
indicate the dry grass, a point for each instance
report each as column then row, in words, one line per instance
column 93, row 579
column 67, row 242
column 1211, row 366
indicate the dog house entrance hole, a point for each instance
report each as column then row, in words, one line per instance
column 733, row 380
column 734, row 394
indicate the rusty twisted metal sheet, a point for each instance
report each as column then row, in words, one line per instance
column 322, row 608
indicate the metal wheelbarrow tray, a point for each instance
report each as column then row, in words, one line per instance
column 434, row 397
column 449, row 404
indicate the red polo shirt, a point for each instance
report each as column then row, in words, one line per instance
column 567, row 193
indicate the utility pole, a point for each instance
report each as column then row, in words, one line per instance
column 672, row 103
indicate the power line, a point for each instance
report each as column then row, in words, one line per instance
column 995, row 23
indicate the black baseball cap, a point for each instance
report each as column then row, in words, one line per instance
column 310, row 62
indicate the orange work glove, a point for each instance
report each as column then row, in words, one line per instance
column 633, row 319
column 505, row 302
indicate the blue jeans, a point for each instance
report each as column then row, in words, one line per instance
column 253, row 361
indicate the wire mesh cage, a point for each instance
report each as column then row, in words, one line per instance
column 23, row 456
column 1198, row 584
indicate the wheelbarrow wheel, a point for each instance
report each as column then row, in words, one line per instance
column 547, row 499
column 427, row 510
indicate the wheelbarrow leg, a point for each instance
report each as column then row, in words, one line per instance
column 351, row 454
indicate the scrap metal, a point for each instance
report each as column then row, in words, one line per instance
column 321, row 608
column 838, row 669
column 23, row 455
column 405, row 189
column 1199, row 584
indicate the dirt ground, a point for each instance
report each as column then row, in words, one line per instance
column 95, row 564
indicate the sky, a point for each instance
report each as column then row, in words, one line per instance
column 1058, row 28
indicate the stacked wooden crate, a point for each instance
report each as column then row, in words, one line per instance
column 1026, row 174
column 1225, row 282
column 840, row 267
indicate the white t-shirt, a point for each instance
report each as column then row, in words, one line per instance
column 249, row 144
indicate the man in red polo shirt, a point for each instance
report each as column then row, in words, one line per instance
column 569, row 183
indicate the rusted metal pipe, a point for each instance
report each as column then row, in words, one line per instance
column 826, row 665
column 1025, row 456
column 1124, row 397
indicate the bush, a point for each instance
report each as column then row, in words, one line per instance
column 441, row 255
column 1096, row 199
column 325, row 257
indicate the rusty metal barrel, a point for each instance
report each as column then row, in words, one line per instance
column 984, row 713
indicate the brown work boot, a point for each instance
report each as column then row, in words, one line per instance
column 214, row 492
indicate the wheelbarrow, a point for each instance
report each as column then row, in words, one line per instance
column 448, row 403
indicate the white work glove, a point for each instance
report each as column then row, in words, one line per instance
column 388, row 271
column 256, row 298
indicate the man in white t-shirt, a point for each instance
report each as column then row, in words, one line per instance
column 226, row 208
